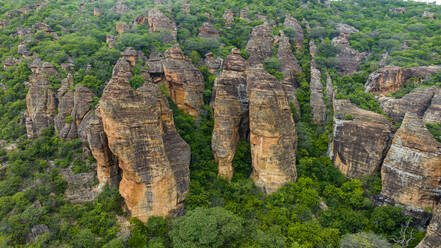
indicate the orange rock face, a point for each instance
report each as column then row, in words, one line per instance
column 360, row 140
column 272, row 131
column 260, row 44
column 411, row 171
column 153, row 157
column 185, row 82
column 230, row 109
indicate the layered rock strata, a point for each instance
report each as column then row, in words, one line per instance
column 185, row 82
column 433, row 235
column 292, row 23
column 348, row 59
column 360, row 139
column 207, row 31
column 417, row 101
column 318, row 107
column 433, row 112
column 230, row 110
column 153, row 157
column 272, row 131
column 411, row 171
column 389, row 79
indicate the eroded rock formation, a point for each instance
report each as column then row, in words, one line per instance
column 433, row 235
column 318, row 107
column 360, row 139
column 213, row 64
column 207, row 31
column 141, row 133
column 41, row 101
column 230, row 110
column 433, row 113
column 417, row 101
column 273, row 137
column 228, row 17
column 158, row 22
column 63, row 121
column 292, row 23
column 411, row 172
column 389, row 79
column 260, row 44
column 348, row 59
column 185, row 82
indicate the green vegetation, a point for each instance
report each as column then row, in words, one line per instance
column 322, row 209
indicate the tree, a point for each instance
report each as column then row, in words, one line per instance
column 364, row 240
column 204, row 228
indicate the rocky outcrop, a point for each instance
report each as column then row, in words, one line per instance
column 110, row 40
column 260, row 44
column 230, row 110
column 158, row 22
column 207, row 31
column 389, row 79
column 329, row 87
column 153, row 157
column 433, row 112
column 318, row 107
column 288, row 62
column 97, row 11
column 429, row 15
column 411, row 171
column 272, row 131
column 122, row 27
column 41, row 102
column 120, row 8
column 360, row 139
column 228, row 17
column 63, row 121
column 185, row 82
column 213, row 64
column 433, row 235
column 417, row 101
column 292, row 23
column 348, row 59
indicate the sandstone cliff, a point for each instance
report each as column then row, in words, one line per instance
column 417, row 101
column 65, row 97
column 389, row 79
column 348, row 59
column 207, row 31
column 292, row 23
column 185, row 82
column 433, row 112
column 41, row 101
column 153, row 157
column 272, row 131
column 411, row 171
column 433, row 235
column 318, row 107
column 158, row 22
column 260, row 44
column 230, row 110
column 360, row 139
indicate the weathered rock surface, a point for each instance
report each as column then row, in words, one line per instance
column 120, row 8
column 417, row 101
column 273, row 137
column 392, row 78
column 433, row 235
column 433, row 113
column 185, row 82
column 411, row 172
column 153, row 157
column 292, row 23
column 288, row 62
column 228, row 17
column 230, row 109
column 65, row 97
column 348, row 59
column 213, row 64
column 260, row 44
column 208, row 31
column 158, row 22
column 329, row 87
column 36, row 232
column 318, row 107
column 122, row 27
column 360, row 139
column 429, row 15
column 41, row 100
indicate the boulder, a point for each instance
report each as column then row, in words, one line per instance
column 153, row 157
column 207, row 31
column 260, row 44
column 417, row 101
column 360, row 140
column 122, row 27
column 185, row 82
column 273, row 137
column 230, row 110
column 228, row 17
column 390, row 79
column 213, row 64
column 411, row 171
